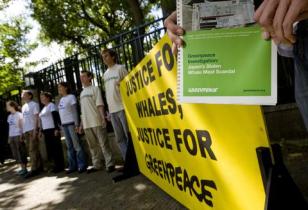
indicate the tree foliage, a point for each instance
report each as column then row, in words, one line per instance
column 13, row 48
column 4, row 4
column 82, row 23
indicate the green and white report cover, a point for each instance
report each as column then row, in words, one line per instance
column 221, row 65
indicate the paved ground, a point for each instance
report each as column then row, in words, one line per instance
column 80, row 191
column 76, row 191
column 295, row 154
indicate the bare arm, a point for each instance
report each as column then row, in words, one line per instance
column 20, row 125
column 36, row 122
column 40, row 127
column 75, row 115
column 101, row 110
column 80, row 128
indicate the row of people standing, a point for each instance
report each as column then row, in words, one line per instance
column 93, row 123
column 93, row 115
column 27, row 126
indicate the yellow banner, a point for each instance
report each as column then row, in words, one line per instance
column 204, row 156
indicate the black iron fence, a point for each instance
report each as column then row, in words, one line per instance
column 130, row 46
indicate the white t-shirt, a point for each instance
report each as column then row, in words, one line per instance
column 29, row 110
column 46, row 116
column 90, row 98
column 66, row 108
column 15, row 128
column 112, row 76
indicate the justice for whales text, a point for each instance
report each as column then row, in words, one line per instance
column 162, row 103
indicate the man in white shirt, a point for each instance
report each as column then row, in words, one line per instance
column 112, row 77
column 94, row 124
column 30, row 112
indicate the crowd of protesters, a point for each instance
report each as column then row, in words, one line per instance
column 28, row 124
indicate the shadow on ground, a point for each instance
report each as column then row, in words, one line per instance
column 295, row 154
column 80, row 191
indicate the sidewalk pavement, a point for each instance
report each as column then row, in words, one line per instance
column 80, row 191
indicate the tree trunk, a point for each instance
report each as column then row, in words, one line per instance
column 136, row 11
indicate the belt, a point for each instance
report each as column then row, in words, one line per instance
column 68, row 124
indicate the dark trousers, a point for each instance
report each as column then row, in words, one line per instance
column 54, row 148
column 301, row 69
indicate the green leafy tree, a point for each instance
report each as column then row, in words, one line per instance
column 4, row 4
column 13, row 48
column 82, row 23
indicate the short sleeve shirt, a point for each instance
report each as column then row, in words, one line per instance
column 29, row 112
column 112, row 77
column 66, row 108
column 46, row 116
column 15, row 128
column 90, row 99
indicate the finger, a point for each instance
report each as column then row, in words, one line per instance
column 175, row 39
column 266, row 35
column 259, row 11
column 278, row 20
column 170, row 24
column 276, row 41
column 267, row 16
column 174, row 49
column 290, row 18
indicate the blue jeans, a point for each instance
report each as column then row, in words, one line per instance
column 120, row 127
column 301, row 69
column 75, row 153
